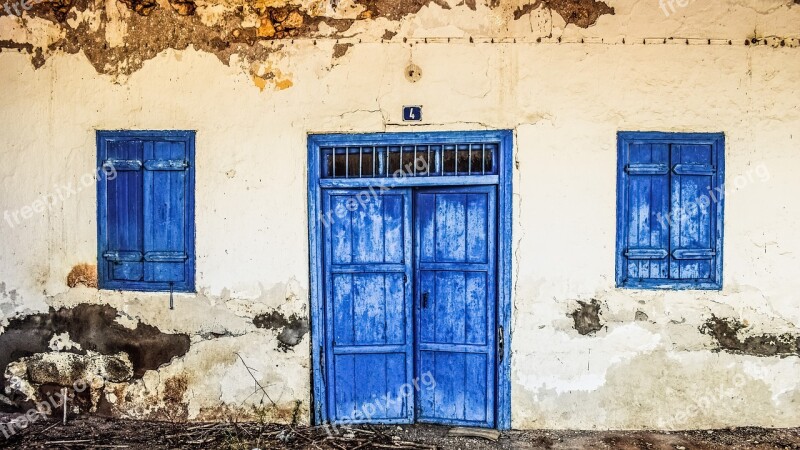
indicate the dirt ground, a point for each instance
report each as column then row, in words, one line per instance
column 100, row 433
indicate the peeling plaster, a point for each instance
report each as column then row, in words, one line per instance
column 587, row 317
column 292, row 328
column 94, row 329
column 582, row 13
column 102, row 31
column 340, row 50
column 728, row 334
column 33, row 376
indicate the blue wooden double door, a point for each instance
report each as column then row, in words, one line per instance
column 410, row 305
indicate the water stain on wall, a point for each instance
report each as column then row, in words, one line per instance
column 726, row 331
column 587, row 317
column 290, row 329
column 85, row 274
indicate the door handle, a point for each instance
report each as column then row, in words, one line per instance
column 424, row 300
column 501, row 344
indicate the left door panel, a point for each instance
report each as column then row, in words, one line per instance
column 368, row 322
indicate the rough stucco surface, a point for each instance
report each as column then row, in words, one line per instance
column 684, row 359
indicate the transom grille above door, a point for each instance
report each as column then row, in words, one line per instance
column 425, row 160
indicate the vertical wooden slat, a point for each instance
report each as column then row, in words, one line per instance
column 476, row 308
column 475, row 381
column 343, row 318
column 451, row 239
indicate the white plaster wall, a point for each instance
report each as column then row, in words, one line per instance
column 565, row 102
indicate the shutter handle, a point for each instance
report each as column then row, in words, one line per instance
column 171, row 304
column 424, row 300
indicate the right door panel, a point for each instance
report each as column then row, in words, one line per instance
column 455, row 303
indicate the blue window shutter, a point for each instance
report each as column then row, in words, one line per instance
column 670, row 210
column 646, row 236
column 146, row 212
column 166, row 167
column 123, row 253
column 692, row 234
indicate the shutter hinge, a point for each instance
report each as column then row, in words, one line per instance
column 405, row 278
column 501, row 344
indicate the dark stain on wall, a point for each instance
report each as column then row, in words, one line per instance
column 94, row 328
column 183, row 8
column 587, row 317
column 141, row 7
column 175, row 388
column 582, row 13
column 37, row 57
column 152, row 29
column 85, row 274
column 726, row 332
column 340, row 50
column 291, row 329
column 395, row 9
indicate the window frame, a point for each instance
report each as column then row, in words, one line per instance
column 717, row 143
column 103, row 280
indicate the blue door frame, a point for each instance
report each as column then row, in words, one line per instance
column 318, row 186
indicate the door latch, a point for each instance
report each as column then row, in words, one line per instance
column 501, row 344
column 424, row 300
